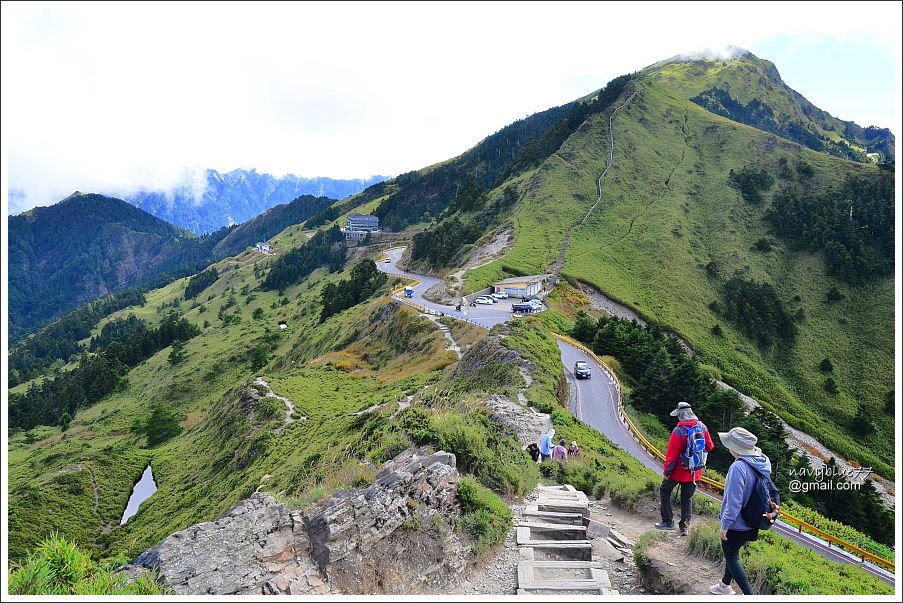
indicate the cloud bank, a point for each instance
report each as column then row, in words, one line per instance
column 113, row 97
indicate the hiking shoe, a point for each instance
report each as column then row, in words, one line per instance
column 684, row 531
column 664, row 526
column 720, row 588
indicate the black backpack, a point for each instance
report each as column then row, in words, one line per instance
column 757, row 512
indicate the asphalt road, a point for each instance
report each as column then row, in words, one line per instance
column 485, row 316
column 596, row 400
column 596, row 404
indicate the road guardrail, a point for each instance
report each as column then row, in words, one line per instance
column 641, row 439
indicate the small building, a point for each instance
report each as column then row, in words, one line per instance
column 263, row 247
column 520, row 286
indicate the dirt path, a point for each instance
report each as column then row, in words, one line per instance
column 566, row 241
column 289, row 405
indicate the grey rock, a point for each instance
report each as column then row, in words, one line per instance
column 350, row 543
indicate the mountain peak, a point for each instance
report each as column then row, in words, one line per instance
column 714, row 54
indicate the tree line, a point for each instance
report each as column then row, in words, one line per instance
column 200, row 281
column 756, row 310
column 96, row 375
column 326, row 248
column 853, row 224
column 365, row 280
column 664, row 374
column 59, row 341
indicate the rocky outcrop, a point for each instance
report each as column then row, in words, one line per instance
column 393, row 537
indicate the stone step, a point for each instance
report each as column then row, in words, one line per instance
column 605, row 592
column 553, row 531
column 560, row 574
column 558, row 488
column 578, row 550
column 562, row 506
column 531, row 514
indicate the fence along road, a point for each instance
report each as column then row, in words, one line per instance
column 598, row 404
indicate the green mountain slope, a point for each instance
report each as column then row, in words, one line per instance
column 750, row 90
column 672, row 229
column 88, row 246
column 81, row 248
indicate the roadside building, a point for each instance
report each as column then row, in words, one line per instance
column 521, row 286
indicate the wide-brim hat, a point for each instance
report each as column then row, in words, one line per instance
column 741, row 441
column 680, row 406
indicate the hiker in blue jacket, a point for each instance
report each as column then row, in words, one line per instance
column 676, row 473
column 546, row 443
column 738, row 487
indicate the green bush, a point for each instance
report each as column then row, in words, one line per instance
column 481, row 448
column 705, row 540
column 484, row 516
column 785, row 568
column 58, row 567
column 779, row 566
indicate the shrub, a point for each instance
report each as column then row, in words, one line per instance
column 59, row 567
column 705, row 540
column 484, row 516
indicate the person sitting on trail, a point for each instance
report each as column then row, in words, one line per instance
column 545, row 444
column 574, row 449
column 559, row 452
column 677, row 469
column 533, row 451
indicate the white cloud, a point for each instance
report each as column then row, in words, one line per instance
column 111, row 96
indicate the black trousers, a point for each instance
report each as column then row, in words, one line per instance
column 732, row 568
column 686, row 501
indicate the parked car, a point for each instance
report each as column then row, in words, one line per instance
column 535, row 303
column 499, row 295
column 582, row 370
column 527, row 308
column 532, row 298
column 484, row 300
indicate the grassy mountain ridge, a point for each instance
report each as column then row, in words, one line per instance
column 84, row 247
column 750, row 90
column 88, row 246
column 669, row 212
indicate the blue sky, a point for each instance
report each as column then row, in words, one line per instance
column 119, row 96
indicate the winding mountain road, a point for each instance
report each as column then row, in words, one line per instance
column 595, row 401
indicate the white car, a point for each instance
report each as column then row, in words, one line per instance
column 499, row 295
column 535, row 303
column 484, row 300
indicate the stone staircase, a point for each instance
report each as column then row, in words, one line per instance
column 556, row 558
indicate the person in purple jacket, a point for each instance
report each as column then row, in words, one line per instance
column 738, row 487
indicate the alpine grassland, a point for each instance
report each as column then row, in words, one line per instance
column 672, row 229
column 778, row 566
column 300, row 411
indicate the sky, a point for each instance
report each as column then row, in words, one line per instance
column 103, row 97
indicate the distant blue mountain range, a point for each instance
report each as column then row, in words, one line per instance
column 234, row 197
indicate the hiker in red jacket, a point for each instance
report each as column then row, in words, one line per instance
column 678, row 466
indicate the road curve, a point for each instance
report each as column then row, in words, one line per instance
column 597, row 405
column 596, row 401
column 484, row 316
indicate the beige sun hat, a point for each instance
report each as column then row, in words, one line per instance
column 680, row 406
column 741, row 441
